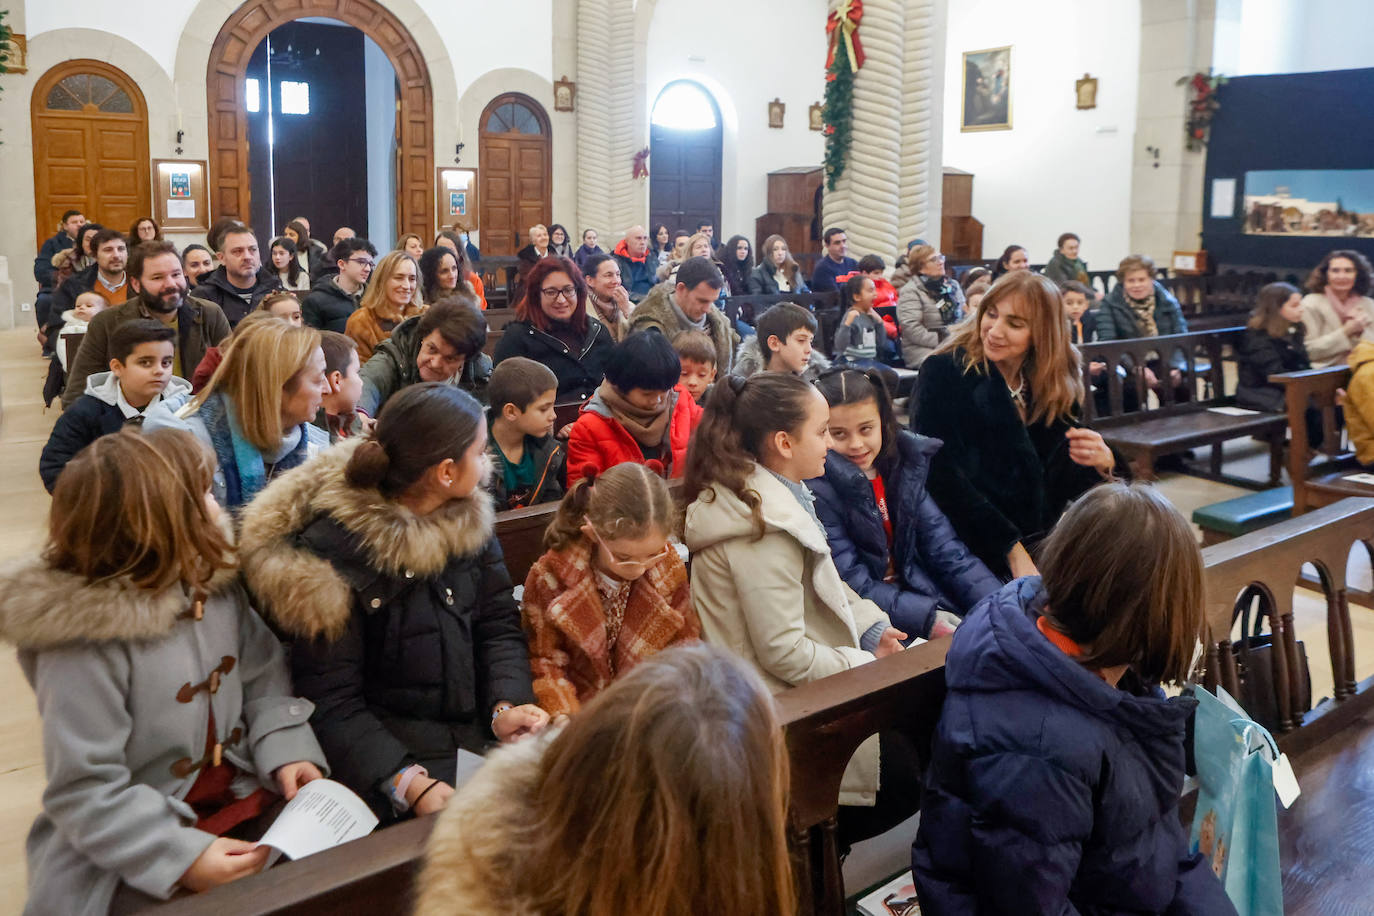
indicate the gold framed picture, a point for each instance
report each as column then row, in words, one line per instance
column 564, row 94
column 987, row 90
column 1086, row 91
column 815, row 116
column 776, row 110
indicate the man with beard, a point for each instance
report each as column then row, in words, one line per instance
column 155, row 275
column 237, row 286
column 106, row 276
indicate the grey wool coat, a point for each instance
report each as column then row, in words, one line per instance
column 108, row 662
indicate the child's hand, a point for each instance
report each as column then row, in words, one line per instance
column 566, row 431
column 519, row 722
column 291, row 776
column 224, row 860
column 850, row 316
column 889, row 643
column 424, row 800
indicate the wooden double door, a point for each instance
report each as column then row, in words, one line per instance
column 516, row 184
column 90, row 147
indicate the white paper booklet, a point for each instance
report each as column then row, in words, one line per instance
column 1234, row 411
column 1361, row 478
column 895, row 898
column 323, row 814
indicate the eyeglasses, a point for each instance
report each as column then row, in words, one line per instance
column 568, row 293
column 633, row 568
column 369, row 264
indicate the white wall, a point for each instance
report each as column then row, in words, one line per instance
column 1292, row 36
column 765, row 55
column 379, row 81
column 1058, row 169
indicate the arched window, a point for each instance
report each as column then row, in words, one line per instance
column 88, row 92
column 513, row 118
column 684, row 106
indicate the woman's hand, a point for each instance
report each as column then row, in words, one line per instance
column 1354, row 325
column 224, row 860
column 621, row 297
column 1020, row 563
column 291, row 776
column 889, row 643
column 424, row 800
column 519, row 722
column 1087, row 448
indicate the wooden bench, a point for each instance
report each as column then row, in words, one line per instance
column 826, row 720
column 823, row 305
column 73, row 344
column 1329, row 480
column 1144, row 434
column 498, row 273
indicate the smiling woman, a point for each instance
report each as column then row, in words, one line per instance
column 391, row 297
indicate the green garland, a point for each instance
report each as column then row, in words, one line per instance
column 839, row 118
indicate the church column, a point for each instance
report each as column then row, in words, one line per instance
column 921, row 167
column 607, row 122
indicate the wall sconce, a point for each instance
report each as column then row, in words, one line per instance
column 1153, row 151
column 458, row 153
column 181, row 135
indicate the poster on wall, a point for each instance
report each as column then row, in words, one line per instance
column 1320, row 202
column 180, row 183
column 987, row 90
column 457, row 203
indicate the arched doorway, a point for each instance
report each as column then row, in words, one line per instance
column 90, row 146
column 230, row 189
column 685, row 137
column 515, row 161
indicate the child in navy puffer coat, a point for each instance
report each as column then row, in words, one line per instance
column 1057, row 765
column 890, row 541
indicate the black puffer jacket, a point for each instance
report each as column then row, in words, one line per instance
column 405, row 633
column 216, row 288
column 579, row 374
column 327, row 307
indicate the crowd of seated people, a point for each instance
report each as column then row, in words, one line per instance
column 347, row 453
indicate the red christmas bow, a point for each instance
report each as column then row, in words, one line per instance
column 844, row 20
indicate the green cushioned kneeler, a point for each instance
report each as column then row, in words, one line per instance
column 1246, row 513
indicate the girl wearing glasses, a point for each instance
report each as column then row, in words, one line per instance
column 552, row 327
column 609, row 592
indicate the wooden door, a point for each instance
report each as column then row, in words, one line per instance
column 685, row 176
column 516, row 166
column 90, row 146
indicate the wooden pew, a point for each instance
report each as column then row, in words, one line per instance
column 1329, row 481
column 498, row 274
column 823, row 305
column 826, row 720
column 1144, row 434
column 73, row 343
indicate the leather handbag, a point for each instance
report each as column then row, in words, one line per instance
column 1254, row 653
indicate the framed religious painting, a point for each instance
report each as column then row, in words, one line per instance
column 987, row 90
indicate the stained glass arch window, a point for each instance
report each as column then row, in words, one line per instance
column 513, row 118
column 88, row 92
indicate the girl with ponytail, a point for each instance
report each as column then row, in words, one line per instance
column 378, row 561
column 763, row 579
column 610, row 591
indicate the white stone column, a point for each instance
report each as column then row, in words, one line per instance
column 608, row 128
column 918, row 198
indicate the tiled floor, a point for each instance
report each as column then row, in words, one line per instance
column 24, row 427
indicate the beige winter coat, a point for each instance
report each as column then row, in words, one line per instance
column 778, row 602
column 1327, row 344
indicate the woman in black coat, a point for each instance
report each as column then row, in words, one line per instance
column 1003, row 394
column 1273, row 343
column 377, row 560
column 557, row 331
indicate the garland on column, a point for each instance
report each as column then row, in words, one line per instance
column 841, row 25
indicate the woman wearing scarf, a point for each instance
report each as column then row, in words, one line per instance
column 1337, row 311
column 256, row 413
column 929, row 304
column 1065, row 265
column 1140, row 306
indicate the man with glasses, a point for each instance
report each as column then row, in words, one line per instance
column 236, row 286
column 332, row 299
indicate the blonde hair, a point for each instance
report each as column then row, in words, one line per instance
column 374, row 297
column 678, row 772
column 919, row 255
column 132, row 504
column 261, row 362
column 626, row 501
column 1052, row 362
column 691, row 243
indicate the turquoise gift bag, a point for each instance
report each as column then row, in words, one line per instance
column 1235, row 825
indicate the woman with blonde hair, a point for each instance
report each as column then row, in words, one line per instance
column 777, row 272
column 392, row 296
column 676, row 776
column 696, row 246
column 1003, row 394
column 411, row 244
column 256, row 413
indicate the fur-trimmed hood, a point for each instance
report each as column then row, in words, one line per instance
column 304, row 593
column 42, row 608
column 475, row 863
column 749, row 360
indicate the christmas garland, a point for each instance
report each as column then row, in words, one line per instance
column 842, row 28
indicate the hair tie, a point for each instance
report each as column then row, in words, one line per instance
column 653, row 464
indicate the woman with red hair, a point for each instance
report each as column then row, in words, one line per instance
column 552, row 327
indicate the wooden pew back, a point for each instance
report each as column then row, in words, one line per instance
column 1136, row 352
column 1319, row 390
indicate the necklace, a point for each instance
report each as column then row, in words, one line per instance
column 1018, row 393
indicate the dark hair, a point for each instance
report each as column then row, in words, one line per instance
column 871, row 262
column 567, row 239
column 237, row 229
column 1004, row 260
column 215, row 236
column 1364, row 275
column 1073, row 286
column 520, row 381
column 85, row 230
column 739, row 417
column 854, row 287
column 831, row 233
column 653, row 239
column 458, row 320
column 338, row 351
column 430, row 262
column 841, row 387
column 298, row 227
column 109, row 235
column 141, row 252
column 696, row 346
column 973, row 275
column 130, row 334
column 531, row 308
column 645, row 359
column 394, row 457
column 1270, row 300
column 293, row 266
column 1064, row 237
column 70, row 213
column 157, row 230
column 699, row 270
column 737, row 271
column 594, row 263
column 782, row 321
column 704, row 223
column 1124, row 579
column 350, row 246
column 194, row 247
column 452, row 236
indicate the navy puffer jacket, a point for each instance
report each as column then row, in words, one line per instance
column 933, row 566
column 1049, row 790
